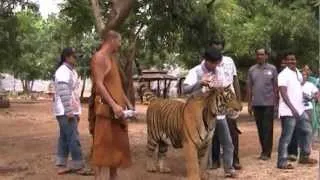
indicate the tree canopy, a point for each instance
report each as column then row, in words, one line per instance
column 158, row 33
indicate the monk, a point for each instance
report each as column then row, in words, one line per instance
column 110, row 148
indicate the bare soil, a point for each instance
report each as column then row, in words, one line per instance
column 28, row 137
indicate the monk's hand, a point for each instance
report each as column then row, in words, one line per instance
column 118, row 111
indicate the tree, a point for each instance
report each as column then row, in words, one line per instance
column 119, row 11
column 9, row 50
column 30, row 63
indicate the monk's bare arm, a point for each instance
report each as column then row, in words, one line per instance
column 128, row 103
column 100, row 69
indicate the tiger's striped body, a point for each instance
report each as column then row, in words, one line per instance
column 158, row 130
column 187, row 124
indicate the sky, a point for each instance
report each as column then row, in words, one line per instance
column 48, row 6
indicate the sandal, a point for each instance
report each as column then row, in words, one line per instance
column 84, row 172
column 287, row 166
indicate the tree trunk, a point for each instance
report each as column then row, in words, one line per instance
column 26, row 86
column 83, row 86
column 130, row 92
column 120, row 10
column 128, row 65
column 31, row 85
column 97, row 15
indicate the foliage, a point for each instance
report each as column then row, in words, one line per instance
column 159, row 33
column 8, row 30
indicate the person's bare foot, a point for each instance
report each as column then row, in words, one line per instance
column 64, row 170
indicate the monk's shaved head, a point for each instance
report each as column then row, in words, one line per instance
column 110, row 35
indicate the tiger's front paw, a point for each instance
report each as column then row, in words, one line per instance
column 162, row 167
column 164, row 170
column 205, row 175
column 151, row 167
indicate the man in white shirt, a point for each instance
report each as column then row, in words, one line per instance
column 292, row 115
column 196, row 81
column 67, row 109
column 228, row 71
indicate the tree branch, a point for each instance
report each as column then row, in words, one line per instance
column 120, row 10
column 137, row 33
column 209, row 4
column 98, row 17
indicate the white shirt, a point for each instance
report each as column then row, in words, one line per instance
column 292, row 80
column 222, row 78
column 227, row 70
column 309, row 89
column 65, row 74
column 195, row 74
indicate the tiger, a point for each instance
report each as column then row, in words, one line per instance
column 186, row 124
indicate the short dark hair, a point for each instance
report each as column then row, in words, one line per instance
column 259, row 48
column 288, row 53
column 212, row 55
column 216, row 41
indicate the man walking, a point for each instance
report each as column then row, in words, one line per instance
column 67, row 109
column 199, row 77
column 110, row 141
column 229, row 71
column 262, row 99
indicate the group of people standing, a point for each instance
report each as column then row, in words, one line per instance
column 294, row 105
column 290, row 94
column 287, row 95
column 289, row 91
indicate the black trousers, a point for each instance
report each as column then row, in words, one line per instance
column 234, row 132
column 264, row 116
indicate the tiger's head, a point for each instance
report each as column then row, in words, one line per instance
column 222, row 101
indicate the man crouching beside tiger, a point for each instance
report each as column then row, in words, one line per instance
column 197, row 81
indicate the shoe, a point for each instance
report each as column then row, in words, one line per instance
column 264, row 157
column 231, row 174
column 237, row 166
column 292, row 158
column 307, row 161
column 287, row 166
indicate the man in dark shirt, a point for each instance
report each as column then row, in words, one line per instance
column 262, row 98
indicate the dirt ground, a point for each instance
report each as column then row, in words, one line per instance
column 28, row 136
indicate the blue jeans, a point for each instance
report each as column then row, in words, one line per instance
column 225, row 140
column 69, row 143
column 304, row 137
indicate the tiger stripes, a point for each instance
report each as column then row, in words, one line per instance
column 166, row 122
